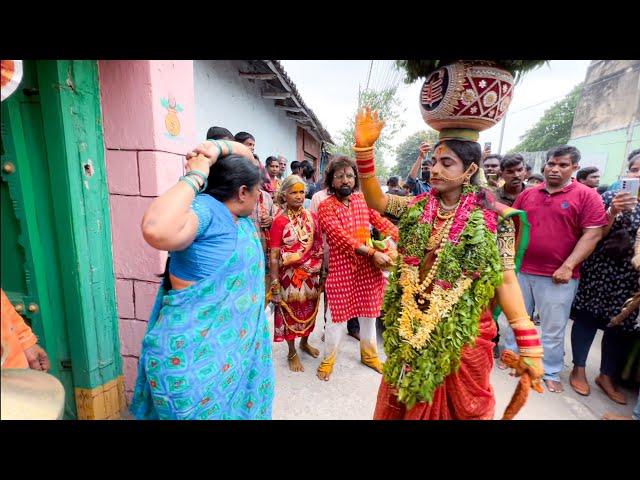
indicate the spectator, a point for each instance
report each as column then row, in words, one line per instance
column 186, row 352
column 296, row 264
column 393, row 185
column 567, row 219
column 219, row 133
column 283, row 166
column 608, row 279
column 308, row 172
column 512, row 171
column 418, row 186
column 589, row 176
column 529, row 170
column 491, row 167
column 273, row 168
column 247, row 139
column 296, row 168
column 615, row 186
column 535, row 179
column 355, row 284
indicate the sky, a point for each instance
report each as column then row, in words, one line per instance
column 330, row 89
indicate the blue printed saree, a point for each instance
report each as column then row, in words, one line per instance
column 207, row 351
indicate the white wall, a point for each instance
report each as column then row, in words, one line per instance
column 224, row 99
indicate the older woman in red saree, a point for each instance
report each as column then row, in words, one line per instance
column 296, row 262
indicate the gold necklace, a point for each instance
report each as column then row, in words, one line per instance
column 447, row 208
column 301, row 233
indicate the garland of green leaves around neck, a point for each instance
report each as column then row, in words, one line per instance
column 417, row 373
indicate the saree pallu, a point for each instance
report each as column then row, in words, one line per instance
column 207, row 351
column 299, row 277
column 464, row 395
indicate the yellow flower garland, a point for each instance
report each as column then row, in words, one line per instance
column 441, row 301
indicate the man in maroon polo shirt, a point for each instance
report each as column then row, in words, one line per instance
column 566, row 220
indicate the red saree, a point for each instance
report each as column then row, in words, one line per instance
column 464, row 395
column 300, row 243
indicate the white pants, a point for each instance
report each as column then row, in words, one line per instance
column 334, row 332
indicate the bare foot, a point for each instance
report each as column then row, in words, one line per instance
column 607, row 385
column 305, row 347
column 554, row 386
column 614, row 416
column 323, row 375
column 578, row 381
column 294, row 363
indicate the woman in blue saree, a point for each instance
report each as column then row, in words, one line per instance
column 207, row 351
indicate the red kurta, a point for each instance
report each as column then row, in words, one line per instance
column 354, row 286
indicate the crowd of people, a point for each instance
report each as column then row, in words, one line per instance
column 245, row 239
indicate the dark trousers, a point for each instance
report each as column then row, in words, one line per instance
column 353, row 326
column 613, row 347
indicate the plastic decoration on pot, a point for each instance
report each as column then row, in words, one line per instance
column 462, row 98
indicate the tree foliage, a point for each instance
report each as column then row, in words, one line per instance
column 554, row 128
column 407, row 151
column 390, row 108
column 415, row 69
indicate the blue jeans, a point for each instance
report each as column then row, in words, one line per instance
column 636, row 411
column 553, row 302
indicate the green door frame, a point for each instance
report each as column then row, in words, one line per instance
column 70, row 101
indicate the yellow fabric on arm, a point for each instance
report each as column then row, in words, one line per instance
column 373, row 194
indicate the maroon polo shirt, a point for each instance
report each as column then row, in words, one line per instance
column 556, row 223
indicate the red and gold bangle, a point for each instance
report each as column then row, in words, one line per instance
column 528, row 341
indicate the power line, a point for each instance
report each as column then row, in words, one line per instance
column 369, row 76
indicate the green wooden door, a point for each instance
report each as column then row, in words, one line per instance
column 32, row 272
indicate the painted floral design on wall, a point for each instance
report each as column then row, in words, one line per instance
column 171, row 121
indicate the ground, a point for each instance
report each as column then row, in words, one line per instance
column 351, row 392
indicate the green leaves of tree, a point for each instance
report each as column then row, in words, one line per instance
column 554, row 128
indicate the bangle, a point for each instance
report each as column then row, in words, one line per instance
column 215, row 142
column 199, row 174
column 227, row 145
column 363, row 149
column 189, row 182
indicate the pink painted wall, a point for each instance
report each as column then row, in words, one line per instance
column 141, row 101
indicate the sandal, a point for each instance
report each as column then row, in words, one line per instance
column 614, row 395
column 580, row 388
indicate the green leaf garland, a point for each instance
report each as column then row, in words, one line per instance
column 418, row 373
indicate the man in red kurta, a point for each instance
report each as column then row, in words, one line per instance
column 355, row 284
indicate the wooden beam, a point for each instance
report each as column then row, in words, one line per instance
column 299, row 118
column 286, row 86
column 258, row 76
column 276, row 95
column 290, row 109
